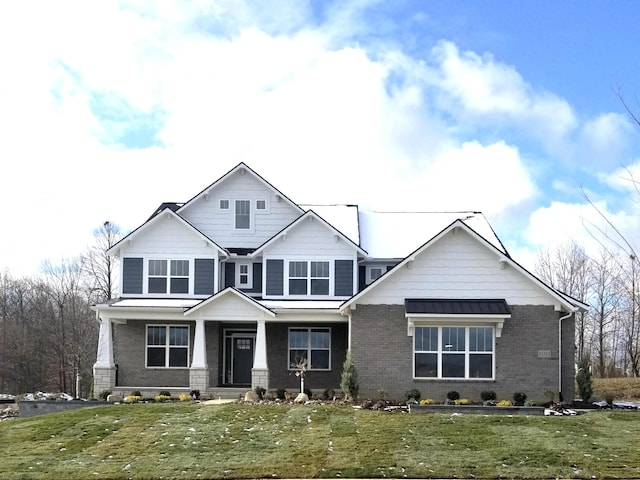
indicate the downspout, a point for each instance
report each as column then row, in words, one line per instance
column 560, row 352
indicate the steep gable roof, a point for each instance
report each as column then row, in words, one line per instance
column 309, row 214
column 167, row 212
column 565, row 301
column 240, row 167
column 225, row 294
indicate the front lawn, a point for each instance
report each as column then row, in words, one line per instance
column 189, row 440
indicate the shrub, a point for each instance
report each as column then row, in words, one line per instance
column 104, row 394
column 504, row 403
column 162, row 398
column 307, row 391
column 328, row 394
column 383, row 394
column 519, row 398
column 427, row 401
column 260, row 391
column 453, row 395
column 413, row 395
column 349, row 379
column 185, row 397
column 462, row 401
column 487, row 395
column 195, row 394
column 583, row 379
column 135, row 393
column 281, row 394
column 164, row 393
column 132, row 398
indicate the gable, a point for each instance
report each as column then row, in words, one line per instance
column 164, row 234
column 311, row 236
column 457, row 265
column 229, row 306
column 273, row 213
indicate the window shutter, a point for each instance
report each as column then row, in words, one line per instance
column 275, row 276
column 257, row 277
column 229, row 274
column 204, row 279
column 132, row 276
column 344, row 278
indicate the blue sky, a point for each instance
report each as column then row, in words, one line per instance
column 108, row 109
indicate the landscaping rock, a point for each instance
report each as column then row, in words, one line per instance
column 301, row 398
column 251, row 396
column 114, row 398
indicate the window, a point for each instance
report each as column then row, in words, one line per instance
column 312, row 345
column 309, row 277
column 224, row 204
column 244, row 277
column 261, row 204
column 243, row 214
column 453, row 352
column 167, row 346
column 374, row 273
column 173, row 280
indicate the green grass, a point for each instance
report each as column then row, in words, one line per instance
column 184, row 440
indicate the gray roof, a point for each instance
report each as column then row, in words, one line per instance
column 436, row 306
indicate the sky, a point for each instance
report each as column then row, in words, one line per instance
column 108, row 109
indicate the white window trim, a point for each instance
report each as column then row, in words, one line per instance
column 167, row 346
column 249, row 284
column 466, row 352
column 145, row 275
column 308, row 329
column 331, row 278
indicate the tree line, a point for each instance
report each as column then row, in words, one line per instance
column 48, row 331
column 608, row 334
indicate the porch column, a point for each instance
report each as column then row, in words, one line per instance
column 260, row 370
column 199, row 371
column 104, row 370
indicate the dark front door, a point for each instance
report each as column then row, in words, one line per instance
column 242, row 359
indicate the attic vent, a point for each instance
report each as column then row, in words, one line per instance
column 544, row 353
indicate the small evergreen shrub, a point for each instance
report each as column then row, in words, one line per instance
column 584, row 380
column 281, row 394
column 349, row 379
column 413, row 395
column 487, row 395
column 308, row 392
column 164, row 393
column 328, row 394
column 195, row 394
column 135, row 393
column 383, row 394
column 260, row 391
column 104, row 394
column 453, row 395
column 519, row 398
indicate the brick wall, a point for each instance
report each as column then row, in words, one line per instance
column 278, row 358
column 526, row 356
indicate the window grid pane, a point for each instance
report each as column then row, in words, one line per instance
column 243, row 214
column 312, row 345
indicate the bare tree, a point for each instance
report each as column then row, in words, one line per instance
column 99, row 267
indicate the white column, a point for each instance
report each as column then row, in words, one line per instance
column 104, row 358
column 199, row 346
column 260, row 358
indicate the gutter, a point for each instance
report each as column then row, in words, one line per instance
column 568, row 315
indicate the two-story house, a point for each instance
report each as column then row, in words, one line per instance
column 234, row 288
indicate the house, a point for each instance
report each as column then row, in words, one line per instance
column 234, row 288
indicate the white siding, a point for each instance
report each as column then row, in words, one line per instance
column 230, row 308
column 311, row 237
column 219, row 225
column 457, row 266
column 167, row 236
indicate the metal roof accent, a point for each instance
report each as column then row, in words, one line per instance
column 441, row 306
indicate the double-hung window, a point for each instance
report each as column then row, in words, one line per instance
column 311, row 346
column 167, row 346
column 243, row 215
column 308, row 277
column 453, row 352
column 168, row 276
column 244, row 278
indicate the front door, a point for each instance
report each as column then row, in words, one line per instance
column 242, row 359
